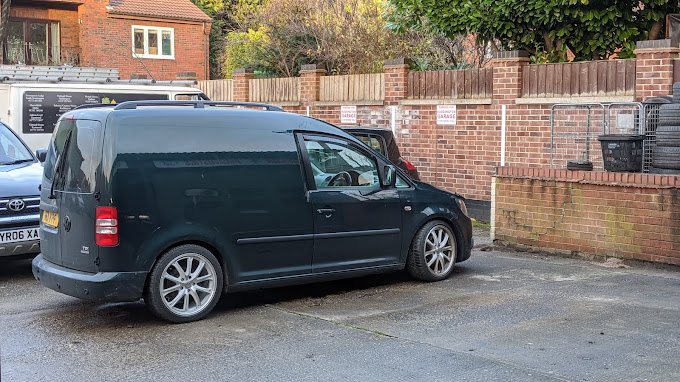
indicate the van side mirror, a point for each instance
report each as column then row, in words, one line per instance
column 41, row 154
column 389, row 176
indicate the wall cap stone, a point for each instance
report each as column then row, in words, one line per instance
column 614, row 179
column 399, row 62
column 576, row 99
column 657, row 44
column 282, row 104
column 349, row 103
column 513, row 54
column 450, row 101
column 242, row 71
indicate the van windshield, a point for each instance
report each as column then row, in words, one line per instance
column 12, row 150
column 81, row 156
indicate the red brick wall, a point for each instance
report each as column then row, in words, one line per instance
column 625, row 215
column 462, row 157
column 106, row 41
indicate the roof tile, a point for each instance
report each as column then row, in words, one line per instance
column 162, row 9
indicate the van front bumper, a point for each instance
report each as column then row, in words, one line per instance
column 104, row 286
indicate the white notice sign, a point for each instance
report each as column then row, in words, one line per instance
column 348, row 114
column 446, row 114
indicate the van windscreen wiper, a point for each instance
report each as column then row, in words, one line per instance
column 60, row 162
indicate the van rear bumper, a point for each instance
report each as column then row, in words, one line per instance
column 104, row 286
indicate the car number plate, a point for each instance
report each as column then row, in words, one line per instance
column 50, row 218
column 16, row 235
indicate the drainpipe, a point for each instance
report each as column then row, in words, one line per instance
column 206, row 40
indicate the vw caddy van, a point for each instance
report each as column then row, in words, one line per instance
column 177, row 202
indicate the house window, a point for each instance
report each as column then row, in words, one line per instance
column 32, row 42
column 153, row 42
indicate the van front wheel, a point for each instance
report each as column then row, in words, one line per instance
column 184, row 284
column 433, row 252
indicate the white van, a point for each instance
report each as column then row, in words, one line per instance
column 32, row 108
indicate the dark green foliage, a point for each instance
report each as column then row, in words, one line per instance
column 549, row 29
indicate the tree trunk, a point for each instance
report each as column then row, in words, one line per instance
column 655, row 31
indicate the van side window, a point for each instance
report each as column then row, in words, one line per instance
column 335, row 164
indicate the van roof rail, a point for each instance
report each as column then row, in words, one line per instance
column 196, row 104
column 93, row 105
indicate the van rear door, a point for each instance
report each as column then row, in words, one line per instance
column 73, row 164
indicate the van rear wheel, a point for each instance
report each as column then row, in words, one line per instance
column 433, row 252
column 184, row 284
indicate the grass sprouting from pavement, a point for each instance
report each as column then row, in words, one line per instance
column 478, row 224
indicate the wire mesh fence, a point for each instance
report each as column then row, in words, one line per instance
column 651, row 111
column 573, row 133
column 575, row 129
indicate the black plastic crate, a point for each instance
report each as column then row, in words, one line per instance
column 622, row 153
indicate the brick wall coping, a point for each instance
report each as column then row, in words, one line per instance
column 552, row 100
column 511, row 55
column 396, row 67
column 312, row 67
column 349, row 103
column 657, row 44
column 627, row 179
column 320, row 71
column 282, row 104
column 400, row 62
column 462, row 101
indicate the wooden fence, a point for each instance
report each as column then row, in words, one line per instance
column 592, row 78
column 275, row 90
column 358, row 87
column 470, row 83
column 217, row 90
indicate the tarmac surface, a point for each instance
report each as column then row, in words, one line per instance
column 505, row 316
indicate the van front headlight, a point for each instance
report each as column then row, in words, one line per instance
column 462, row 206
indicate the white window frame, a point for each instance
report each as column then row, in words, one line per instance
column 160, row 31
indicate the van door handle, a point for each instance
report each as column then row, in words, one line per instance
column 326, row 211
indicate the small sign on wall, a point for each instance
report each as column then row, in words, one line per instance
column 348, row 114
column 446, row 114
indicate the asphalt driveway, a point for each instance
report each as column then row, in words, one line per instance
column 501, row 316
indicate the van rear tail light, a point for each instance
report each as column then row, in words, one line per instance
column 409, row 165
column 106, row 226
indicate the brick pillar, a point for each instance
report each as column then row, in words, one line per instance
column 240, row 86
column 396, row 81
column 310, row 84
column 654, row 68
column 507, row 75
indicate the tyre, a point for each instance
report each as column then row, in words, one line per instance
column 669, row 114
column 665, row 171
column 666, row 157
column 184, row 284
column 668, row 136
column 676, row 92
column 433, row 252
column 577, row 165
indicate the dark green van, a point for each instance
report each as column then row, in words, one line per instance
column 177, row 202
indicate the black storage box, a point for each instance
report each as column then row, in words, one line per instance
column 622, row 153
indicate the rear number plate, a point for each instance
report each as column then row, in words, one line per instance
column 50, row 218
column 13, row 236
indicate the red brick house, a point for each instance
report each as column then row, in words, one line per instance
column 159, row 39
